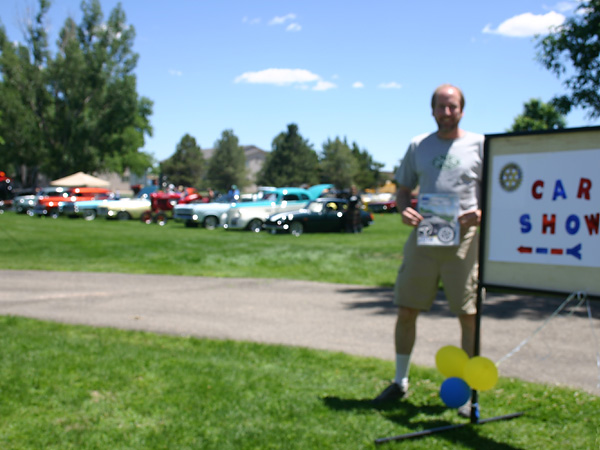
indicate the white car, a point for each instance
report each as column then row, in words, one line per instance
column 209, row 215
column 252, row 216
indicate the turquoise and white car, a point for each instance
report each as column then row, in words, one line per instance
column 251, row 216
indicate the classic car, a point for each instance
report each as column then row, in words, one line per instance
column 320, row 215
column 125, row 208
column 209, row 215
column 251, row 216
column 213, row 214
column 88, row 209
column 432, row 225
column 24, row 200
column 51, row 205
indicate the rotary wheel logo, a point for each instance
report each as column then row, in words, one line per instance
column 511, row 177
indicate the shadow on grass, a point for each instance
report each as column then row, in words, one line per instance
column 401, row 413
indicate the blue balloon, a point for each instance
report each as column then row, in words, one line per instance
column 455, row 392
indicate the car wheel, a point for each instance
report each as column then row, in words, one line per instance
column 446, row 234
column 89, row 214
column 211, row 222
column 123, row 215
column 161, row 219
column 425, row 229
column 146, row 217
column 255, row 225
column 296, row 228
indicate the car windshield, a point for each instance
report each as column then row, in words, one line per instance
column 315, row 207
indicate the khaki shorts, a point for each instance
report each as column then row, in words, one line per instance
column 423, row 267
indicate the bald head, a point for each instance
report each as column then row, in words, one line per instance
column 449, row 89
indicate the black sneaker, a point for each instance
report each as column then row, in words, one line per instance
column 392, row 393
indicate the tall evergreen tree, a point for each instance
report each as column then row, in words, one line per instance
column 227, row 165
column 369, row 171
column 79, row 110
column 186, row 167
column 292, row 161
column 337, row 164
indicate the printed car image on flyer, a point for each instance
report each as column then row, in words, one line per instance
column 440, row 220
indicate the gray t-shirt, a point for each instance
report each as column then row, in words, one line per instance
column 442, row 166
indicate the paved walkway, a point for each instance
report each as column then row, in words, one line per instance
column 353, row 319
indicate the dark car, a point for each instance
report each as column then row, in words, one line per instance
column 320, row 215
column 436, row 226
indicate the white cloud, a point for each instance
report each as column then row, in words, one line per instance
column 176, row 73
column 565, row 6
column 324, row 86
column 279, row 77
column 250, row 21
column 293, row 27
column 390, row 85
column 300, row 78
column 358, row 85
column 527, row 24
column 280, row 20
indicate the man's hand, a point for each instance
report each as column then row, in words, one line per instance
column 411, row 217
column 470, row 218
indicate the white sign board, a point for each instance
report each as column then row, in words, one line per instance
column 541, row 223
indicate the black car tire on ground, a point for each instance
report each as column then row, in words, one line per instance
column 89, row 214
column 296, row 228
column 255, row 225
column 211, row 222
column 123, row 215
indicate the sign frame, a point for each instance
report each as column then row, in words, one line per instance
column 546, row 278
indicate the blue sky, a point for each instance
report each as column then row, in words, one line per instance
column 352, row 69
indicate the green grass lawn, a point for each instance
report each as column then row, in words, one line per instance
column 76, row 387
column 370, row 258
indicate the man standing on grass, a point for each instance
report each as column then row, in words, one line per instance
column 448, row 161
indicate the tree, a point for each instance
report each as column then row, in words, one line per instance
column 572, row 51
column 538, row 115
column 292, row 161
column 227, row 166
column 79, row 110
column 24, row 98
column 369, row 171
column 337, row 164
column 186, row 166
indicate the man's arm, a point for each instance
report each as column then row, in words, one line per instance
column 410, row 216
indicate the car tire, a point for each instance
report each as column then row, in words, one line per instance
column 446, row 234
column 123, row 215
column 89, row 214
column 296, row 228
column 146, row 217
column 161, row 219
column 255, row 225
column 211, row 222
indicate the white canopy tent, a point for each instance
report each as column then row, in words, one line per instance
column 80, row 179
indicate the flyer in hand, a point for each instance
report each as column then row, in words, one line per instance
column 440, row 220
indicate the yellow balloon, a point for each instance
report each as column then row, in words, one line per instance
column 481, row 373
column 451, row 360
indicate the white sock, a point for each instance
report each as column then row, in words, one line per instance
column 402, row 367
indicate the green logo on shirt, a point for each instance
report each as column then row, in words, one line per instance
column 445, row 162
